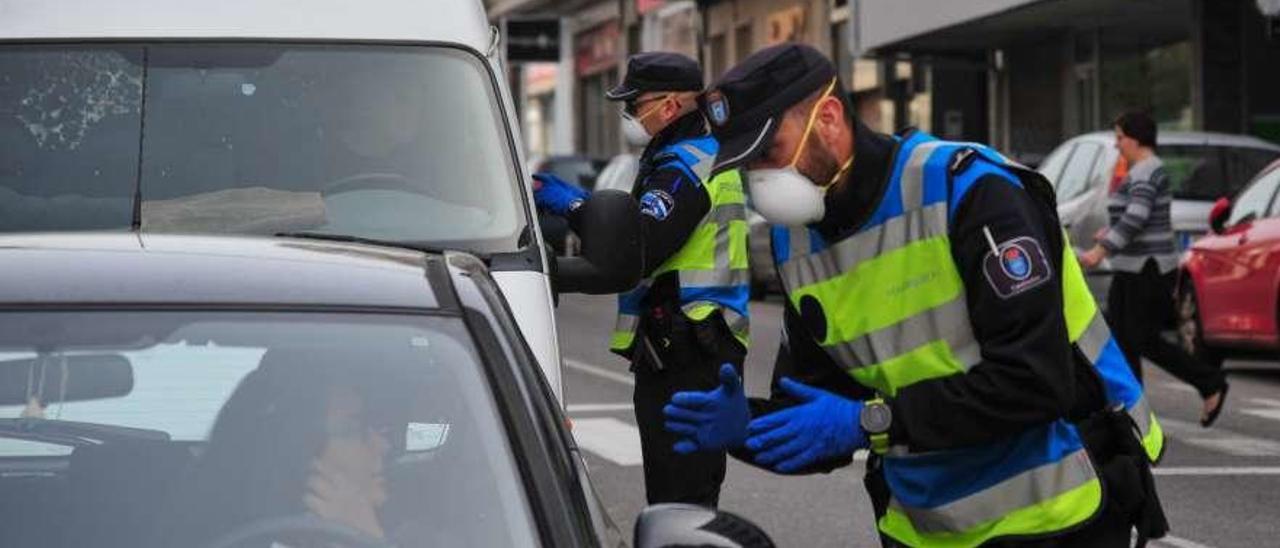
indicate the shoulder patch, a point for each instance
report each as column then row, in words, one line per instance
column 657, row 204
column 717, row 108
column 1020, row 266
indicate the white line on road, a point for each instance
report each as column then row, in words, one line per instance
column 1178, row 542
column 1220, row 440
column 611, row 439
column 600, row 372
column 597, row 407
column 1216, row 471
column 1179, row 387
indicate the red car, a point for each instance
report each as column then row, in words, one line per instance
column 1229, row 294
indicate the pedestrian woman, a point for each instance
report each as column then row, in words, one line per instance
column 1140, row 243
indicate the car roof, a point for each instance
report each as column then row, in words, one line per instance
column 1191, row 138
column 129, row 268
column 460, row 22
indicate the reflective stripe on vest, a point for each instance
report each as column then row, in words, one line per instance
column 1089, row 332
column 893, row 305
column 712, row 266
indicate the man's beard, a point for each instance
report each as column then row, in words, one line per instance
column 820, row 166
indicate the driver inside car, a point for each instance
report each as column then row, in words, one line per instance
column 298, row 454
column 380, row 130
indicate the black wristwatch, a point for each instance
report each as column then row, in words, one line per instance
column 875, row 420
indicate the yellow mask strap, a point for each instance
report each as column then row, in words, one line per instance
column 813, row 116
column 659, row 100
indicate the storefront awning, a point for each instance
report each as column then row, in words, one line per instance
column 890, row 26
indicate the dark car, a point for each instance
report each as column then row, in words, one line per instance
column 579, row 170
column 222, row 391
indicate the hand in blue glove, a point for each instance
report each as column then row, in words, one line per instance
column 710, row 421
column 553, row 194
column 821, row 427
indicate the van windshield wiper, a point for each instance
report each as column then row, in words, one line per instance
column 329, row 237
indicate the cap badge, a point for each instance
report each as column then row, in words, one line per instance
column 717, row 108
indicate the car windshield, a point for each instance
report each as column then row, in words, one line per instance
column 126, row 429
column 1200, row 172
column 399, row 143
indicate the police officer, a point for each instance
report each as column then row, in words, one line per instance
column 689, row 313
column 933, row 316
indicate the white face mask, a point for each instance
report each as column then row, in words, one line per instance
column 633, row 128
column 634, row 131
column 784, row 196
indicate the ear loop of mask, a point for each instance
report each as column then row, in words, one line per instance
column 657, row 100
column 813, row 117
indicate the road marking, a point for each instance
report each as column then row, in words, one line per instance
column 1220, row 440
column 1179, row 387
column 1178, row 542
column 1216, row 471
column 1270, row 408
column 610, row 439
column 600, row 372
column 598, row 407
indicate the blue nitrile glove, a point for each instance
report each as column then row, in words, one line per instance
column 553, row 194
column 823, row 426
column 710, row 421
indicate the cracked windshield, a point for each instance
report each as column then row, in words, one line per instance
column 392, row 143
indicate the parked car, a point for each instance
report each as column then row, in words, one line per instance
column 387, row 121
column 620, row 173
column 162, row 390
column 575, row 169
column 1229, row 295
column 1202, row 167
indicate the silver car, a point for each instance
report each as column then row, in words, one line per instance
column 1203, row 167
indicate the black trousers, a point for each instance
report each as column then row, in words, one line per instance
column 688, row 361
column 1140, row 305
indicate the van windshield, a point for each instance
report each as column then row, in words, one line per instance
column 397, row 143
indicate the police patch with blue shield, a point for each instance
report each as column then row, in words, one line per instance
column 1015, row 266
column 657, row 204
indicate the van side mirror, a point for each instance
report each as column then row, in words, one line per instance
column 611, row 260
column 1218, row 215
column 677, row 525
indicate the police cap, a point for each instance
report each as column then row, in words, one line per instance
column 657, row 71
column 746, row 105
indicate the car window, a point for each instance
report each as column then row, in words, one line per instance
column 1051, row 167
column 399, row 143
column 1244, row 164
column 1198, row 172
column 1254, row 201
column 1273, row 178
column 179, row 428
column 1075, row 177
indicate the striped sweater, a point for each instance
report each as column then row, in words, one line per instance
column 1141, row 227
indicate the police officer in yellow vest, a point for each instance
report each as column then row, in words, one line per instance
column 935, row 317
column 689, row 313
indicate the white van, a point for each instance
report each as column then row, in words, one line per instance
column 384, row 121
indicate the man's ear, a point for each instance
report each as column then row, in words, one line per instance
column 672, row 107
column 831, row 116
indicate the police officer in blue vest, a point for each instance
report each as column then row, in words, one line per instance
column 935, row 317
column 689, row 313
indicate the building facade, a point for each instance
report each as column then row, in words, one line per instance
column 1025, row 75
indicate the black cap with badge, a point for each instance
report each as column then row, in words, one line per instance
column 657, row 71
column 746, row 105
